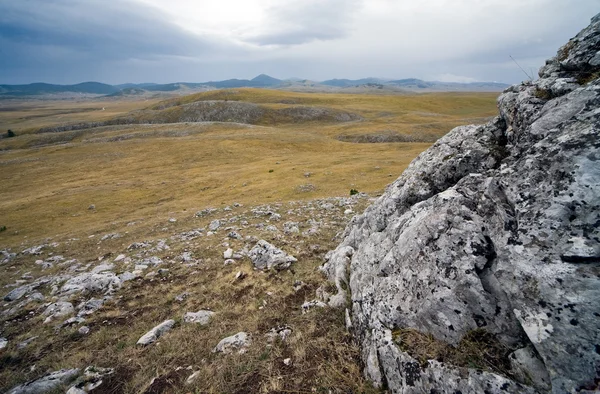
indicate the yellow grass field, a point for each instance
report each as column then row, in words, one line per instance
column 152, row 172
column 147, row 182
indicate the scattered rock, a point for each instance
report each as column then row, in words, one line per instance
column 153, row 335
column 83, row 330
column 119, row 258
column 181, row 297
column 25, row 343
column 238, row 342
column 3, row 343
column 201, row 317
column 58, row 309
column 228, row 253
column 280, row 332
column 110, row 236
column 34, row 250
column 266, row 256
column 192, row 378
column 291, row 228
column 287, row 361
column 103, row 282
column 90, row 306
column 92, row 379
column 46, row 384
column 240, row 275
column 19, row 292
column 214, row 225
column 308, row 305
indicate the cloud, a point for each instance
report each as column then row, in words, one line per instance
column 454, row 78
column 69, row 41
column 44, row 38
column 303, row 21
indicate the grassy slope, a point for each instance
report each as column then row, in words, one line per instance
column 149, row 173
column 160, row 176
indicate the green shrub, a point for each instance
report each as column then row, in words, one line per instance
column 10, row 134
column 353, row 192
column 2, row 228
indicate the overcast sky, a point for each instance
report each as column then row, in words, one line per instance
column 118, row 41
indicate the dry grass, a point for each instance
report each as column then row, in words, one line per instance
column 478, row 349
column 138, row 176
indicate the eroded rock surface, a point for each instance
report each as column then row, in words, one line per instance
column 495, row 228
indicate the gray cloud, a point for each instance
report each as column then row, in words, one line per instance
column 69, row 37
column 303, row 21
column 69, row 41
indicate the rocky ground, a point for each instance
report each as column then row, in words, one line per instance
column 226, row 300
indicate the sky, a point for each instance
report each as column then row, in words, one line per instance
column 120, row 41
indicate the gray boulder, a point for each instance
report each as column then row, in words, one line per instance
column 238, row 342
column 3, row 343
column 266, row 256
column 46, row 384
column 57, row 310
column 493, row 229
column 201, row 317
column 158, row 331
column 102, row 282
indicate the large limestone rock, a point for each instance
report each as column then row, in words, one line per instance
column 495, row 228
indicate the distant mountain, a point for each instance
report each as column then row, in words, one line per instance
column 344, row 83
column 46, row 88
column 260, row 81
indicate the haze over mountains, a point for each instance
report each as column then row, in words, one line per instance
column 260, row 81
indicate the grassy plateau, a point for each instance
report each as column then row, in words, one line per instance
column 77, row 171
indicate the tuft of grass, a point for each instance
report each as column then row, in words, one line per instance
column 543, row 94
column 478, row 349
column 587, row 77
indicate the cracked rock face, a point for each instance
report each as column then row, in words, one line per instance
column 495, row 228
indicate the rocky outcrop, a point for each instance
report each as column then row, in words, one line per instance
column 492, row 233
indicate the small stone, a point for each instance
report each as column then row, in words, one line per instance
column 266, row 256
column 201, row 317
column 3, row 343
column 240, row 275
column 153, row 335
column 92, row 207
column 229, row 262
column 119, row 258
column 240, row 342
column 287, row 361
column 308, row 305
column 172, row 220
column 192, row 378
column 214, row 225
column 228, row 253
column 84, row 330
